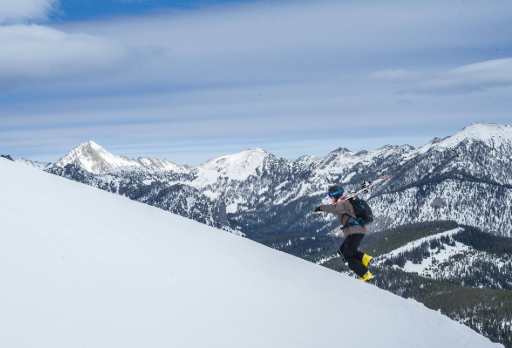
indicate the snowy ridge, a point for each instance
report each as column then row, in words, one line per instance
column 444, row 257
column 418, row 242
column 235, row 167
column 463, row 265
column 427, row 263
column 493, row 135
column 490, row 134
column 161, row 164
column 131, row 275
column 35, row 164
column 95, row 159
column 462, row 201
column 465, row 178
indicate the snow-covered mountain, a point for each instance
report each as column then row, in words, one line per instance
column 88, row 268
column 95, row 159
column 466, row 177
column 461, row 255
column 236, row 167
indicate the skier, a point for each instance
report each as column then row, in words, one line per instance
column 352, row 231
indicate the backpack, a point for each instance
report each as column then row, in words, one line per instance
column 364, row 215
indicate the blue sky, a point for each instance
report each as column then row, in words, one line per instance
column 80, row 10
column 193, row 80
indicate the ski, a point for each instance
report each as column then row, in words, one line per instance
column 366, row 187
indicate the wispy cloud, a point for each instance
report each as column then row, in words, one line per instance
column 23, row 10
column 279, row 70
column 476, row 77
column 38, row 54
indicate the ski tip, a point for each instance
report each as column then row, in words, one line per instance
column 387, row 175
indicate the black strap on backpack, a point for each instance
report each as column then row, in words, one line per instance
column 363, row 212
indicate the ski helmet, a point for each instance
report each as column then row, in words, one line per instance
column 335, row 191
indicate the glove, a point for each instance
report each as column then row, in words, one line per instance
column 318, row 209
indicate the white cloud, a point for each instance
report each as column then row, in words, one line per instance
column 468, row 78
column 35, row 54
column 14, row 11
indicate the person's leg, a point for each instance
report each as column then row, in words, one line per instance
column 360, row 255
column 342, row 247
column 352, row 255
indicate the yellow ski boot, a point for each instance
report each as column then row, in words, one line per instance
column 366, row 277
column 367, row 259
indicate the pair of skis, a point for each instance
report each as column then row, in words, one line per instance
column 366, row 187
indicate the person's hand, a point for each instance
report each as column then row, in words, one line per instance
column 317, row 209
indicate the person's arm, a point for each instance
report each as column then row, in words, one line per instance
column 329, row 208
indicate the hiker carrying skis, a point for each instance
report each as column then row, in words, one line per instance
column 352, row 231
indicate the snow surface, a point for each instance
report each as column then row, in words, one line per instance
column 441, row 257
column 81, row 267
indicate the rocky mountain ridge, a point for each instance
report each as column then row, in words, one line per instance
column 466, row 177
column 95, row 159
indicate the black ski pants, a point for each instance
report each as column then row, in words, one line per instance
column 353, row 256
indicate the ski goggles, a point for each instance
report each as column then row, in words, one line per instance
column 335, row 193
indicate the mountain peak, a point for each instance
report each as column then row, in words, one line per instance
column 95, row 159
column 89, row 144
column 256, row 149
column 340, row 151
column 92, row 144
column 486, row 130
column 493, row 135
column 238, row 166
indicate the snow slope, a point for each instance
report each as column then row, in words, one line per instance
column 81, row 267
